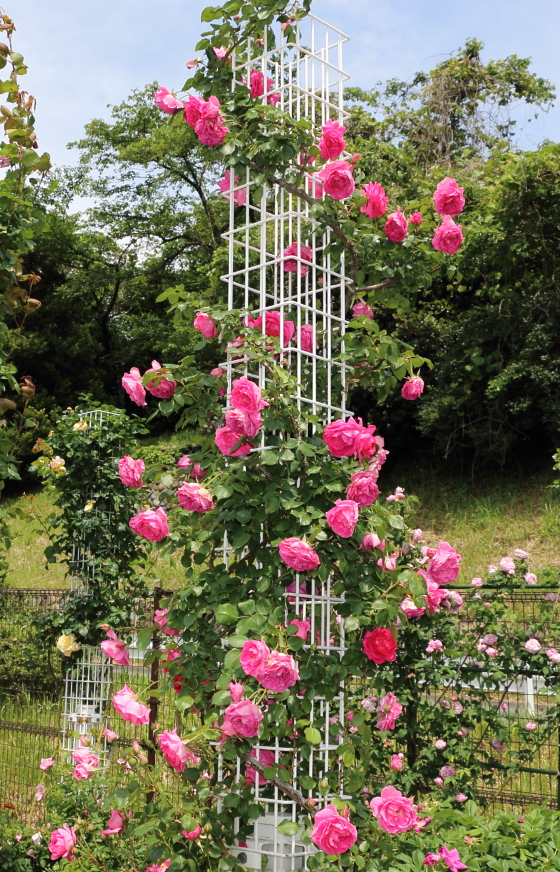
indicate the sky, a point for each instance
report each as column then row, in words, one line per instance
column 83, row 56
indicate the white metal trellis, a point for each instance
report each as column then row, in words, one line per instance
column 307, row 74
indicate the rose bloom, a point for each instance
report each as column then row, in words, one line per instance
column 411, row 610
column 62, row 843
column 477, row 582
column 296, row 249
column 239, row 198
column 362, row 310
column 242, row 719
column 110, row 735
column 193, row 110
column 130, row 471
column 531, row 726
column 337, row 179
column 279, row 672
column 161, row 387
column 271, row 321
column 389, row 709
column 362, row 489
column 193, row 834
column 461, row 797
column 332, row 832
column 377, row 200
column 448, row 237
column 532, row 646
column 303, row 628
column 448, row 198
column 203, row 322
column 166, row 101
column 246, row 395
column 235, row 690
column 115, row 824
column 530, row 578
column 417, row 535
column 225, row 439
column 306, row 338
column 341, row 437
column 520, row 554
column 396, row 227
column 416, row 218
column 412, row 388
column 245, row 423
column 440, row 744
column 257, row 87
column 507, row 565
column 195, row 498
column 46, row 763
column 298, row 555
column 395, row 813
column 343, row 517
column 380, row 646
column 175, row 751
column 210, row 128
column 267, row 758
column 67, row 644
column 115, row 649
column 553, row 655
column 451, row 859
column 160, row 618
column 129, row 709
column 150, row 525
column 397, row 762
column 447, row 772
column 253, row 657
column 132, row 383
column 443, row 567
column 331, row 145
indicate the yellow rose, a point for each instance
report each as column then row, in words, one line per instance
column 57, row 465
column 80, row 426
column 67, row 645
column 89, row 505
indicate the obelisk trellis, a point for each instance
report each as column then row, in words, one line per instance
column 308, row 75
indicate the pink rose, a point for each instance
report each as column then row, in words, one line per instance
column 520, row 554
column 343, row 517
column 306, row 338
column 161, row 387
column 444, row 564
column 331, row 145
column 115, row 824
column 193, row 109
column 246, row 395
column 175, row 751
column 236, row 691
column 39, row 792
column 239, row 196
column 298, row 555
column 279, row 672
column 184, row 462
column 371, row 541
column 242, row 719
column 417, row 535
column 253, row 657
column 507, row 565
column 272, row 325
column 434, row 645
column 257, row 87
column 337, row 179
column 412, row 388
column 193, row 834
column 62, row 843
column 451, row 858
column 46, row 763
column 435, row 595
column 408, row 606
column 396, row 226
column 110, row 735
column 531, row 726
column 533, row 646
column 341, row 437
column 530, row 578
column 362, row 310
column 160, row 619
column 380, row 646
column 210, row 128
column 225, row 439
column 115, row 649
column 332, row 832
column 245, row 423
column 395, row 813
column 267, row 758
column 377, row 200
column 416, row 218
column 218, row 371
column 389, row 709
column 150, row 525
column 128, row 708
column 130, row 471
column 448, row 198
column 362, row 488
column 303, row 252
column 195, row 498
column 448, row 236
column 132, row 383
column 166, row 101
column 397, row 762
column 204, row 323
column 303, row 628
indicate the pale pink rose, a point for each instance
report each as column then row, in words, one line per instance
column 507, row 565
column 243, row 719
column 396, row 227
column 160, row 619
column 362, row 310
column 130, row 471
column 46, row 763
column 166, row 101
column 128, row 708
column 533, row 646
column 193, row 834
column 62, row 843
column 39, row 792
column 193, row 109
column 110, row 735
column 303, row 628
column 295, row 250
column 175, row 751
column 220, row 53
column 132, row 383
column 416, row 218
column 438, row 781
column 520, row 554
column 115, row 824
column 448, row 198
column 389, row 710
column 245, row 423
column 398, row 495
column 417, row 535
column 343, row 517
column 267, row 758
column 447, row 772
column 195, row 498
column 435, row 596
column 225, row 439
column 448, row 237
column 203, row 322
column 412, row 388
column 492, row 569
column 395, row 813
column 279, row 672
column 497, row 745
column 184, row 462
column 254, row 655
column 371, row 541
column 298, row 555
column 306, row 342
column 451, row 859
column 553, row 655
column 332, row 832
column 236, row 691
column 246, row 395
column 377, row 200
column 397, row 762
column 409, row 607
column 477, row 582
column 444, row 564
column 434, row 645
column 530, row 578
column 461, row 797
column 531, row 726
column 331, row 145
column 239, row 196
column 4, row 161
column 115, row 649
column 160, row 387
column 453, row 601
column 341, row 437
column 491, row 652
column 380, row 646
column 440, row 744
column 218, row 371
column 190, row 65
column 151, row 525
column 337, row 178
column 36, row 838
column 210, row 128
column 271, row 321
column 362, row 488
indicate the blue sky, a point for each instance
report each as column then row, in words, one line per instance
column 83, row 56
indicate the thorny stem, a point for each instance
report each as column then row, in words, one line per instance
column 286, row 788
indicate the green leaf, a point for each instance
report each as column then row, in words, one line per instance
column 210, row 13
column 312, row 735
column 236, row 641
column 143, row 639
column 289, row 828
column 182, row 703
column 351, row 624
column 417, row 586
column 396, row 522
column 120, row 797
column 231, row 660
column 226, row 614
column 269, row 458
